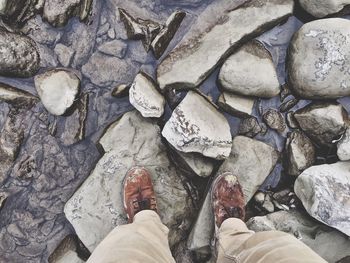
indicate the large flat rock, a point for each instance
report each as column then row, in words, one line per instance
column 96, row 207
column 209, row 43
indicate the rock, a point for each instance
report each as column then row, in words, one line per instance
column 322, row 8
column 324, row 192
column 66, row 252
column 48, row 58
column 19, row 56
column 57, row 90
column 275, row 120
column 145, row 97
column 343, row 150
column 286, row 106
column 166, row 34
column 132, row 140
column 325, row 241
column 120, row 91
column 251, row 72
column 318, row 59
column 197, row 126
column 291, row 121
column 115, row 48
column 251, row 161
column 64, row 54
column 264, row 202
column 200, row 165
column 300, row 153
column 249, row 127
column 191, row 62
column 322, row 122
column 236, row 105
column 17, row 12
column 16, row 97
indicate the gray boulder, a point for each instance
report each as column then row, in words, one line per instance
column 132, row 140
column 343, row 150
column 330, row 244
column 319, row 59
column 250, row 71
column 192, row 61
column 322, row 8
column 324, row 192
column 197, row 126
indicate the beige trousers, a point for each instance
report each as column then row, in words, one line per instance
column 146, row 241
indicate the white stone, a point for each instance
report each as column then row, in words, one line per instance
column 145, row 97
column 237, row 105
column 57, row 90
column 197, row 126
column 322, row 8
column 343, row 150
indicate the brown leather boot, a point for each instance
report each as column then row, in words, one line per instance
column 138, row 192
column 227, row 198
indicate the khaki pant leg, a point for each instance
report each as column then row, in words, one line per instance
column 143, row 241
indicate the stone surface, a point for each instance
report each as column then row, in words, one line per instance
column 132, row 140
column 19, row 56
column 17, row 11
column 66, row 252
column 322, row 122
column 300, row 153
column 200, row 165
column 121, row 90
column 236, row 105
column 318, row 62
column 197, row 126
column 251, row 72
column 322, row 8
column 64, row 54
column 325, row 241
column 343, row 147
column 145, row 97
column 324, row 192
column 275, row 120
column 249, row 127
column 16, row 96
column 251, row 161
column 57, row 90
column 115, row 48
column 191, row 62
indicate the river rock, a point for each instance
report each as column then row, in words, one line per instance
column 132, row 140
column 322, row 8
column 191, row 62
column 250, row 71
column 300, row 153
column 115, row 48
column 18, row 12
column 249, row 127
column 319, row 59
column 66, row 252
column 19, row 57
column 275, row 120
column 343, row 150
column 325, row 241
column 16, row 97
column 199, row 164
column 145, row 97
column 57, row 90
column 322, row 122
column 251, row 161
column 324, row 192
column 64, row 54
column 197, row 126
column 236, row 105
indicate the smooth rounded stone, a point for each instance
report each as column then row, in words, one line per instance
column 197, row 126
column 249, row 127
column 251, row 72
column 343, row 150
column 319, row 59
column 324, row 192
column 300, row 153
column 19, row 55
column 322, row 122
column 322, row 8
column 57, row 90
column 130, row 141
column 64, row 54
column 275, row 120
column 116, row 48
column 200, row 165
column 327, row 242
column 236, row 105
column 145, row 97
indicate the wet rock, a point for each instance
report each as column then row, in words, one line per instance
column 249, row 127
column 19, row 56
column 318, row 61
column 343, row 150
column 57, row 90
column 322, row 8
column 300, row 153
column 145, row 97
column 200, row 165
column 133, row 140
column 16, row 97
column 236, row 105
column 120, row 91
column 322, row 122
column 64, row 54
column 324, row 192
column 166, row 34
column 250, row 71
column 115, row 48
column 246, row 162
column 191, row 62
column 197, row 126
column 325, row 241
column 275, row 120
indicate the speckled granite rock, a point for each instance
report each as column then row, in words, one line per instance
column 322, row 8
